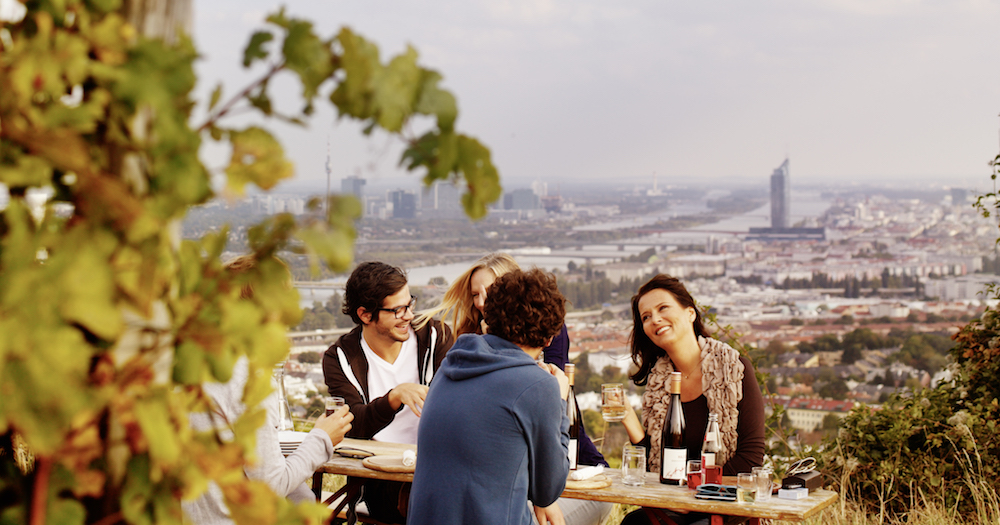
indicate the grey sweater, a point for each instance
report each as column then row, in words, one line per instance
column 285, row 476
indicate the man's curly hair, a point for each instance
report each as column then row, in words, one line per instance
column 525, row 307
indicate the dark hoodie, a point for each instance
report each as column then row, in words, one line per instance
column 493, row 435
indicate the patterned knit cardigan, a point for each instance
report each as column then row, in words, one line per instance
column 722, row 384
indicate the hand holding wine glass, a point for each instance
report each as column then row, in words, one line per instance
column 613, row 402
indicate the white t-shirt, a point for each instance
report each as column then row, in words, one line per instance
column 383, row 377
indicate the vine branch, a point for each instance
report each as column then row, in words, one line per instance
column 240, row 96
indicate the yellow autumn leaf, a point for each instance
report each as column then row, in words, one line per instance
column 257, row 158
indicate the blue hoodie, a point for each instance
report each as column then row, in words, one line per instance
column 493, row 435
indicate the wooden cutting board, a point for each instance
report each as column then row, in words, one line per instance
column 387, row 464
column 599, row 481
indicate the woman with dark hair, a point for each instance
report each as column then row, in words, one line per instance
column 668, row 335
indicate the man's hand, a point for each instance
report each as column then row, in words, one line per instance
column 551, row 514
column 337, row 424
column 560, row 377
column 409, row 394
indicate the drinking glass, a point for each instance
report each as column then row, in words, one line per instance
column 694, row 473
column 333, row 403
column 762, row 475
column 284, row 411
column 613, row 402
column 712, row 474
column 746, row 485
column 633, row 465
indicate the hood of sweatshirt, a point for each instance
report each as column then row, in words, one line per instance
column 474, row 355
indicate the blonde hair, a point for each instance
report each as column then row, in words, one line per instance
column 457, row 302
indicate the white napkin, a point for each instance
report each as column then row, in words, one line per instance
column 409, row 458
column 583, row 473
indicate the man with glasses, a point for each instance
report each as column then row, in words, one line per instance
column 382, row 369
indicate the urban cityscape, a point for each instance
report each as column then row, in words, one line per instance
column 798, row 275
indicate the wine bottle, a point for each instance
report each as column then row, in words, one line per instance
column 673, row 454
column 574, row 421
column 710, row 447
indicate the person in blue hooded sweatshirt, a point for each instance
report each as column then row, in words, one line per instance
column 494, row 431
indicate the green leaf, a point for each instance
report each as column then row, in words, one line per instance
column 153, row 416
column 188, row 364
column 137, row 490
column 395, row 89
column 279, row 19
column 333, row 248
column 436, row 101
column 255, row 48
column 27, row 172
column 88, row 288
column 260, row 99
column 216, row 95
column 66, row 511
column 308, row 56
column 106, row 6
column 359, row 60
column 257, row 158
column 480, row 174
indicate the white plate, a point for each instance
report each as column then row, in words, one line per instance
column 291, row 436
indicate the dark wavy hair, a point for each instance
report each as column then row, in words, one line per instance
column 645, row 352
column 525, row 307
column 368, row 286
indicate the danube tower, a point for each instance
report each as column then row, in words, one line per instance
column 780, row 196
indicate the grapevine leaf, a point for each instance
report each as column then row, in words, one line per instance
column 395, row 90
column 436, row 101
column 257, row 158
column 216, row 95
column 480, row 174
column 360, row 63
column 254, row 51
column 308, row 56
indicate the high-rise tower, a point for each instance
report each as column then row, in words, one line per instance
column 780, row 196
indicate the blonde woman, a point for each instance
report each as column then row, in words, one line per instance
column 462, row 307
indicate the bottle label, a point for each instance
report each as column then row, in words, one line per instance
column 573, row 444
column 707, row 459
column 711, row 436
column 674, row 464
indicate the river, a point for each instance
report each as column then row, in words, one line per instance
column 805, row 205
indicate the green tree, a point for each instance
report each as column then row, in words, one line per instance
column 309, row 357
column 109, row 323
column 939, row 443
column 927, row 352
column 845, row 319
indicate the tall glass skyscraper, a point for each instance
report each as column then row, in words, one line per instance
column 781, row 196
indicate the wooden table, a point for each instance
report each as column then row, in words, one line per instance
column 656, row 495
column 652, row 494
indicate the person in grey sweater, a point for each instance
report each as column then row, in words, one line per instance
column 285, row 476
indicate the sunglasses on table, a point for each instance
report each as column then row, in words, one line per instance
column 353, row 453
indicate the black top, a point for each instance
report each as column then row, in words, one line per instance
column 749, row 444
column 557, row 353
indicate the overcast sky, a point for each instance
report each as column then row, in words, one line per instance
column 563, row 91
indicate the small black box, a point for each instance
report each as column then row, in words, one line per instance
column 809, row 479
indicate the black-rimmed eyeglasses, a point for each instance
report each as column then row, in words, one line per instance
column 400, row 311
